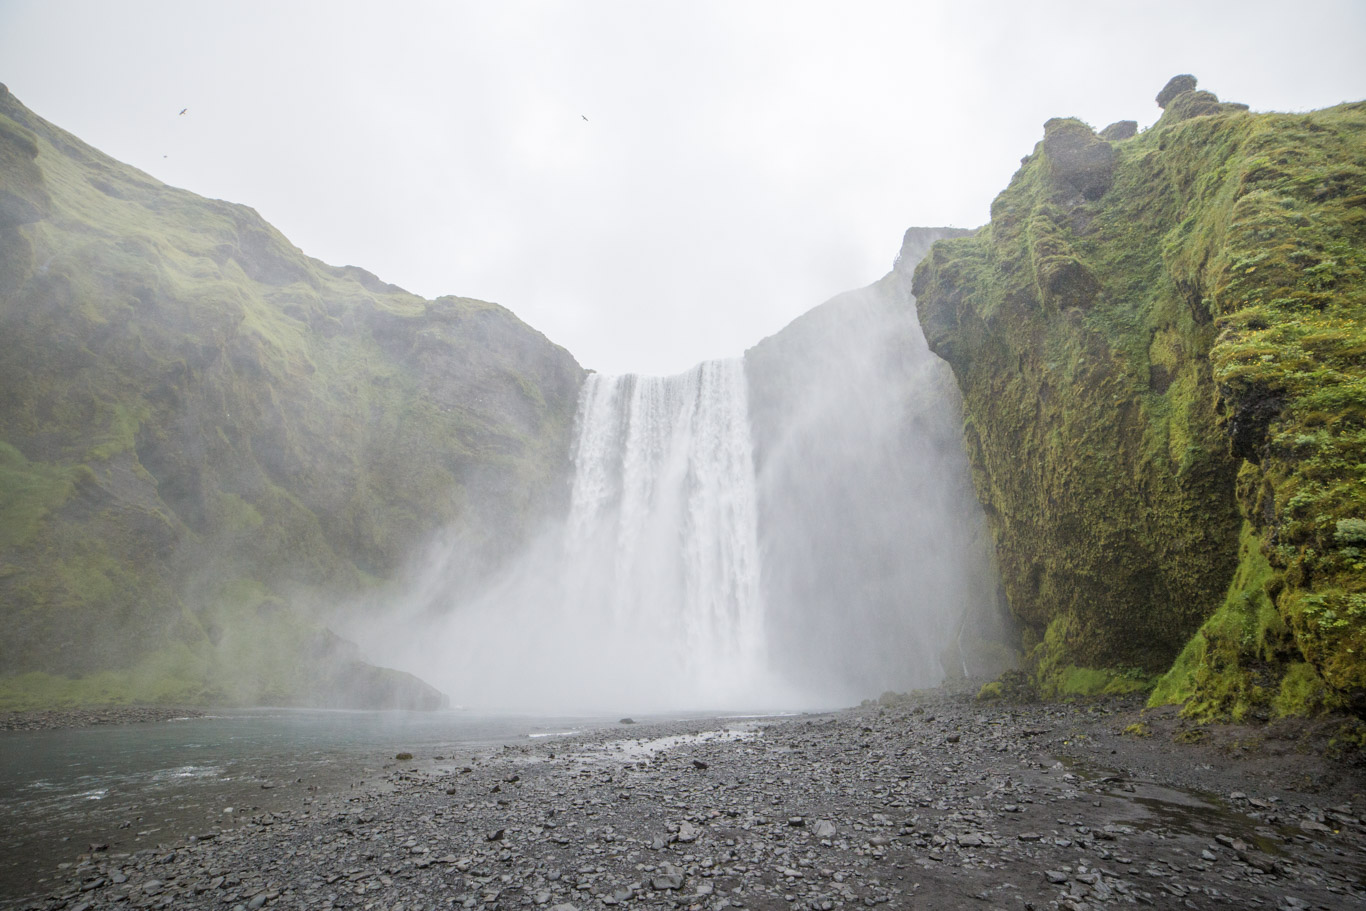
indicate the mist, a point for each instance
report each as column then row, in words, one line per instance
column 567, row 159
column 877, row 560
column 791, row 530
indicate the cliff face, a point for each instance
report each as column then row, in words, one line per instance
column 1159, row 339
column 206, row 437
column 877, row 565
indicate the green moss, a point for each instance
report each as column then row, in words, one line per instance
column 1099, row 382
column 1075, row 681
column 121, row 432
column 1056, row 677
column 1178, row 684
column 236, row 515
column 1349, row 741
column 991, row 692
column 189, row 404
column 171, row 676
column 1302, row 692
column 1150, row 364
column 1241, row 664
column 28, row 492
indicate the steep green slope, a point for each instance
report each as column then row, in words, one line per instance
column 206, row 437
column 1160, row 342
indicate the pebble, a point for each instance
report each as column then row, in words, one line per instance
column 54, row 719
column 871, row 807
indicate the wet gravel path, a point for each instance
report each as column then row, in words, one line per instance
column 934, row 802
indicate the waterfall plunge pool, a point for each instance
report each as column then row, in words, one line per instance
column 135, row 787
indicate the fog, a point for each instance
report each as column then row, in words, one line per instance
column 795, row 530
column 876, row 556
column 649, row 184
column 645, row 597
column 652, row 186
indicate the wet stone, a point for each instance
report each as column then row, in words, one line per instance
column 867, row 808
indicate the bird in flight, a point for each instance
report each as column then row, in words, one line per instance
column 585, row 117
column 182, row 111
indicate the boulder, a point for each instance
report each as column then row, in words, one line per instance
column 1120, row 129
column 1079, row 160
column 1175, row 86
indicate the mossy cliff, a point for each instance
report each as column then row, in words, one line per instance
column 206, row 437
column 1159, row 338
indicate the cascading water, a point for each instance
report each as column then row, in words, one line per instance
column 647, row 596
column 662, row 540
column 796, row 529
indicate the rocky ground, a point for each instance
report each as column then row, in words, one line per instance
column 53, row 719
column 931, row 802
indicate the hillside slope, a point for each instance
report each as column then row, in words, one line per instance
column 206, row 437
column 1159, row 338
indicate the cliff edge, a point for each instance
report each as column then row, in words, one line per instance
column 1159, row 339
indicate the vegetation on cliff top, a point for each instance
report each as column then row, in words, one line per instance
column 1160, row 342
column 206, row 437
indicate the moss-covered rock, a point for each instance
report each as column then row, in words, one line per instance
column 206, row 437
column 1149, row 362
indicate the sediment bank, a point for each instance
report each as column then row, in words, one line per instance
column 931, row 802
column 55, row 719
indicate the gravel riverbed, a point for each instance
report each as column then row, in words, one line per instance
column 57, row 719
column 932, row 801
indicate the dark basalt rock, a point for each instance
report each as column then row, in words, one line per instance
column 1175, row 86
column 1247, row 425
column 1120, row 130
column 979, row 788
column 1079, row 160
column 1199, row 104
column 1180, row 100
column 1065, row 282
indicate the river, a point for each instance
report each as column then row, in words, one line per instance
column 133, row 787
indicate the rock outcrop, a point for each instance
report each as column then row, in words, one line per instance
column 1159, row 342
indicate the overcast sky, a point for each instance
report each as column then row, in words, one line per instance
column 649, row 184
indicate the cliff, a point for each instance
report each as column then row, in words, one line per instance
column 877, row 567
column 1159, row 340
column 207, row 438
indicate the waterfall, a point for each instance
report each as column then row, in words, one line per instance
column 646, row 597
column 661, row 547
column 794, row 529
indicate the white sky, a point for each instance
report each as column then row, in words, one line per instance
column 741, row 161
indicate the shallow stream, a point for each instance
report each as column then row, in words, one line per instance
column 132, row 787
